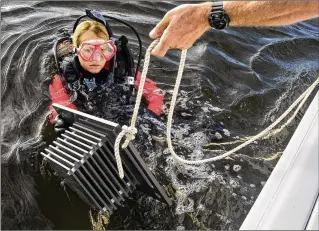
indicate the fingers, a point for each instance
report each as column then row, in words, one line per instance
column 160, row 28
column 162, row 47
column 60, row 125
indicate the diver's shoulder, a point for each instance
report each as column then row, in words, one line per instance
column 68, row 67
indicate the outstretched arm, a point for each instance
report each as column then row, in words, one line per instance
column 270, row 13
column 183, row 25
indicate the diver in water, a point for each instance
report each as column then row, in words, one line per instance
column 96, row 71
column 97, row 75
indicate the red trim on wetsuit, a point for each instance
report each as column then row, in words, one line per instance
column 59, row 95
column 151, row 92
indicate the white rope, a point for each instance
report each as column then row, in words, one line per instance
column 303, row 97
column 309, row 90
column 129, row 132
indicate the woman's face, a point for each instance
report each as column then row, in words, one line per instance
column 96, row 64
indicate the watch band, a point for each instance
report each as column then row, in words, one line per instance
column 217, row 7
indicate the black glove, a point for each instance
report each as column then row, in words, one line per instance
column 60, row 125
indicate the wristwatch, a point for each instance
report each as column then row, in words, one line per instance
column 218, row 19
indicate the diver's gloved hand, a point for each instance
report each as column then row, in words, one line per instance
column 60, row 125
column 155, row 100
column 153, row 95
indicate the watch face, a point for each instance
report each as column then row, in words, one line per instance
column 220, row 24
column 219, row 21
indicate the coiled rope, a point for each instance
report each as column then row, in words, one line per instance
column 130, row 132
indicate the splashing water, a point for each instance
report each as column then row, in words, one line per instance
column 235, row 83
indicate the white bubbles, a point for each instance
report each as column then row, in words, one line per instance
column 224, row 218
column 151, row 160
column 208, row 108
column 187, row 186
column 221, row 179
column 212, row 177
column 226, row 132
column 244, row 190
column 236, row 168
column 184, row 205
column 195, row 140
column 249, row 202
column 145, row 128
column 184, row 114
column 197, row 154
column 201, row 207
column 234, row 183
column 180, row 227
column 218, row 136
column 180, row 132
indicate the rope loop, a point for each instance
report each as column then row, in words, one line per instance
column 130, row 132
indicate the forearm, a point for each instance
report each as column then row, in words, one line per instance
column 183, row 25
column 270, row 13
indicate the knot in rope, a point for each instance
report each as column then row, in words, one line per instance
column 130, row 132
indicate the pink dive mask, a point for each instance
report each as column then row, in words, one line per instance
column 97, row 49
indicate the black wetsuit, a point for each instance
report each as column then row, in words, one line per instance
column 101, row 94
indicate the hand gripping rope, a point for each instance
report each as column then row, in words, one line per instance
column 130, row 132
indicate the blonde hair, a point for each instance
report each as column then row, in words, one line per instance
column 94, row 26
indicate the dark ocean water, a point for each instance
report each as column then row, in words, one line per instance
column 242, row 77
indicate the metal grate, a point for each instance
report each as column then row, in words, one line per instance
column 83, row 155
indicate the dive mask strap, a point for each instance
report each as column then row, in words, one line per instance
column 97, row 16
